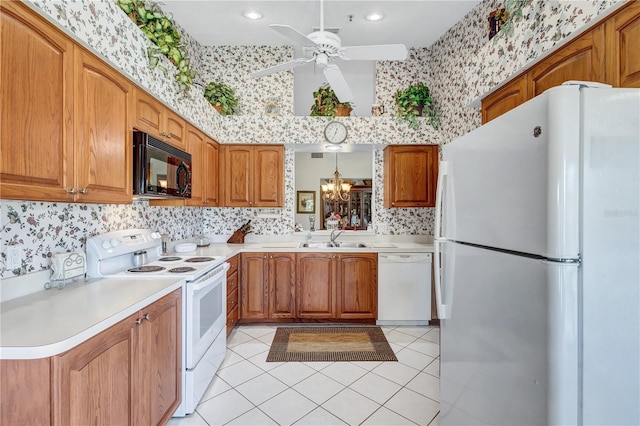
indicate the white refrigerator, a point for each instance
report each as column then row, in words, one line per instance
column 537, row 263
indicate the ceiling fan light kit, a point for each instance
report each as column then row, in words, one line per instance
column 322, row 47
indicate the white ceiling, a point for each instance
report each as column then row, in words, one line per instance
column 416, row 23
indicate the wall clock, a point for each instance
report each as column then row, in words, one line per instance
column 335, row 132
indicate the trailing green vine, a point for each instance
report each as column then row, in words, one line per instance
column 167, row 40
column 514, row 14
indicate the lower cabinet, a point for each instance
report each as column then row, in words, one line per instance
column 309, row 286
column 128, row 374
column 232, row 293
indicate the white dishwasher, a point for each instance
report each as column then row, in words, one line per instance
column 404, row 288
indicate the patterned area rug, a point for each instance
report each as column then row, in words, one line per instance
column 330, row 344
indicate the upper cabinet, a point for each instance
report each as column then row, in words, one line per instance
column 253, row 175
column 623, row 53
column 204, row 169
column 607, row 53
column 151, row 116
column 64, row 117
column 410, row 175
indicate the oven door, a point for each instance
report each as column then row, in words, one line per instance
column 206, row 313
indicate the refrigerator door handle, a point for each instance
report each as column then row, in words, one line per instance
column 442, row 172
column 441, row 310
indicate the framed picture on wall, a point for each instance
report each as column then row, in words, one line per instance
column 306, row 202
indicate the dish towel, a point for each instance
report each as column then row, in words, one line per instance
column 68, row 265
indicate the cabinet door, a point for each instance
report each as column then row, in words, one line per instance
column 148, row 114
column 161, row 356
column 357, row 285
column 25, row 392
column 196, row 147
column 36, row 136
column 268, row 176
column 282, row 280
column 505, row 99
column 211, row 173
column 410, row 175
column 254, row 286
column 103, row 136
column 175, row 129
column 93, row 383
column 315, row 285
column 237, row 175
column 582, row 59
column 623, row 53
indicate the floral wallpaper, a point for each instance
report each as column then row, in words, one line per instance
column 459, row 68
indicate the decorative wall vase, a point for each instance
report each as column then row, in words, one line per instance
column 496, row 19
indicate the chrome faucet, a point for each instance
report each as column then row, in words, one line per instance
column 334, row 237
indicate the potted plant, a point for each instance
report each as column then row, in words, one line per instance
column 413, row 102
column 167, row 40
column 327, row 104
column 221, row 97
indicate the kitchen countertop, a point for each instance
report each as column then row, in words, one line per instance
column 51, row 322
column 48, row 323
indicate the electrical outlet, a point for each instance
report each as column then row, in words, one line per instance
column 14, row 257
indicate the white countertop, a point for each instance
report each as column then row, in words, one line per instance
column 51, row 322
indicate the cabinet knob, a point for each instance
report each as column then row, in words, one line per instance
column 265, row 256
column 72, row 191
column 84, row 191
column 146, row 317
column 271, row 257
column 232, row 302
column 139, row 321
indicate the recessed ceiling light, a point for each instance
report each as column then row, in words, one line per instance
column 252, row 14
column 374, row 16
column 332, row 147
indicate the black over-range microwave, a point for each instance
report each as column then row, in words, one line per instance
column 159, row 169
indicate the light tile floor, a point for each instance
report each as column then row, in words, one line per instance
column 247, row 390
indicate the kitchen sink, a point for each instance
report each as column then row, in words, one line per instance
column 329, row 245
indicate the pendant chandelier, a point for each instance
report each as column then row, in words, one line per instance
column 337, row 189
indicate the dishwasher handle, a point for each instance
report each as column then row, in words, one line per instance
column 404, row 257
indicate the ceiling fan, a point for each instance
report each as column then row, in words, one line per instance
column 321, row 47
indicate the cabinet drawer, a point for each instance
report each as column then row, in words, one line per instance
column 232, row 319
column 232, row 283
column 232, row 300
column 234, row 266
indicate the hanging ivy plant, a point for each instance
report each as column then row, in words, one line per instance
column 161, row 31
column 513, row 14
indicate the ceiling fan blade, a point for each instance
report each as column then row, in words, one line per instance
column 381, row 52
column 293, row 34
column 281, row 67
column 337, row 82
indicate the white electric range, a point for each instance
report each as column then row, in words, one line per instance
column 204, row 298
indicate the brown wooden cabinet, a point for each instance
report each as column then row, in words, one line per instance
column 232, row 293
column 129, row 374
column 316, row 285
column 103, row 138
column 337, row 285
column 254, row 302
column 153, row 117
column 253, row 175
column 267, row 285
column 410, row 175
column 65, row 117
column 504, row 99
column 608, row 53
column 282, row 280
column 357, row 281
column 211, row 170
column 623, row 53
column 196, row 146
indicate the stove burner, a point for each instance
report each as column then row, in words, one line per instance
column 182, row 269
column 169, row 259
column 148, row 268
column 200, row 259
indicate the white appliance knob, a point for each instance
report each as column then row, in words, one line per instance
column 114, row 242
column 106, row 245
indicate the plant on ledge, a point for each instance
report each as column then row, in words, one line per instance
column 221, row 97
column 327, row 104
column 161, row 31
column 414, row 102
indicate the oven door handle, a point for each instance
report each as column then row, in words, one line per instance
column 211, row 280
